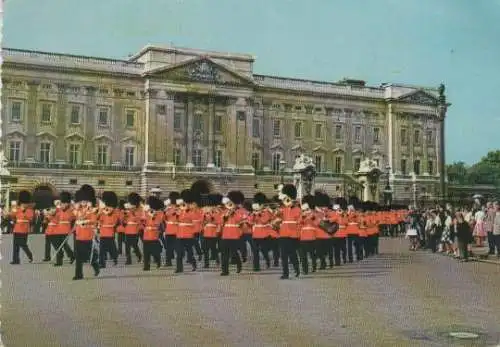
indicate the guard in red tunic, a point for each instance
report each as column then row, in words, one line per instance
column 289, row 232
column 133, row 224
column 185, row 230
column 48, row 226
column 260, row 221
column 120, row 229
column 85, row 232
column 171, row 213
column 309, row 225
column 153, row 228
column 22, row 218
column 211, row 221
column 109, row 217
column 64, row 223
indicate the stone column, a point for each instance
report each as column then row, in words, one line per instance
column 147, row 119
column 249, row 134
column 211, row 136
column 170, row 111
column 30, row 120
column 89, row 124
column 267, row 133
column 231, row 133
column 425, row 157
column 61, row 119
column 188, row 134
column 390, row 139
column 348, row 160
column 443, row 178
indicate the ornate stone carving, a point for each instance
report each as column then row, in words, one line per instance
column 288, row 107
column 419, row 98
column 118, row 92
column 152, row 93
column 62, row 86
column 309, row 109
column 203, row 71
column 34, row 83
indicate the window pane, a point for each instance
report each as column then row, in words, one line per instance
column 376, row 135
column 198, row 122
column 103, row 116
column 338, row 132
column 177, row 121
column 256, row 161
column 338, row 164
column 45, row 152
column 129, row 156
column 403, row 166
column 218, row 123
column 255, row 128
column 16, row 111
column 46, row 113
column 102, row 155
column 177, row 156
column 318, row 131
column 75, row 114
column 130, row 118
column 276, row 127
column 298, row 129
column 14, row 151
column 357, row 164
column 318, row 162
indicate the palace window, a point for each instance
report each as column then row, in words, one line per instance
column 416, row 167
column 276, row 128
column 403, row 167
column 103, row 117
column 218, row 158
column 45, row 152
column 318, row 162
column 275, row 165
column 318, row 131
column 357, row 134
column 14, row 151
column 177, row 156
column 46, row 113
column 377, row 162
column 241, row 116
column 338, row 132
column 430, row 167
column 102, row 154
column 130, row 118
column 74, row 117
column 218, row 124
column 74, row 154
column 256, row 127
column 129, row 156
column 404, row 137
column 338, row 164
column 429, row 138
column 416, row 138
column 298, row 129
column 357, row 164
column 376, row 135
column 15, row 114
column 198, row 122
column 177, row 121
column 256, row 161
column 196, row 157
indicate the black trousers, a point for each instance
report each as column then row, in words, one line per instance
column 496, row 240
column 230, row 249
column 491, row 243
column 20, row 241
column 209, row 248
column 132, row 242
column 85, row 252
column 369, row 245
column 340, row 250
column 360, row 248
column 246, row 238
column 289, row 248
column 151, row 248
column 308, row 249
column 57, row 241
column 107, row 246
column 197, row 244
column 261, row 246
column 184, row 246
column 120, row 240
column 274, row 245
column 170, row 242
column 48, row 245
column 353, row 247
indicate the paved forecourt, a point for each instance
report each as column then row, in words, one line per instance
column 398, row 298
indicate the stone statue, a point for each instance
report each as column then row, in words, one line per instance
column 304, row 173
column 441, row 90
column 367, row 165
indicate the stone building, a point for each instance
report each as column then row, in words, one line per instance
column 167, row 116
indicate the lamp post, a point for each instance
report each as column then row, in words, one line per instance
column 414, row 189
column 388, row 189
column 282, row 171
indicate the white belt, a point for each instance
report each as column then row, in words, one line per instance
column 107, row 226
column 172, row 223
column 64, row 222
column 352, row 223
column 289, row 222
column 151, row 228
column 210, row 225
column 22, row 221
column 261, row 225
column 185, row 224
column 52, row 224
column 232, row 225
column 309, row 228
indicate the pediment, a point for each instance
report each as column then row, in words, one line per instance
column 319, row 149
column 277, row 146
column 376, row 152
column 46, row 134
column 338, row 150
column 419, row 97
column 103, row 138
column 357, row 151
column 74, row 136
column 16, row 133
column 297, row 147
column 202, row 70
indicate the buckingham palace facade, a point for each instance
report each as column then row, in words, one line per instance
column 167, row 116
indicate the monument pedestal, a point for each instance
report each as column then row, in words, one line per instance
column 369, row 175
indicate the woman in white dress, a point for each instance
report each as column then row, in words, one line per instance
column 412, row 232
column 479, row 233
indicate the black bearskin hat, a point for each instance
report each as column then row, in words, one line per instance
column 201, row 187
column 290, row 191
column 310, row 200
column 79, row 196
column 88, row 193
column 110, row 199
column 321, row 200
column 259, row 198
column 236, row 197
column 134, row 199
column 173, row 196
column 188, row 196
column 216, row 199
column 155, row 204
column 121, row 204
column 24, row 197
column 65, row 197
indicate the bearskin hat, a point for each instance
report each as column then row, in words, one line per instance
column 24, row 197
column 201, row 187
column 321, row 200
column 155, row 203
column 173, row 196
column 236, row 197
column 79, row 196
column 134, row 199
column 310, row 200
column 290, row 191
column 65, row 197
column 216, row 199
column 88, row 193
column 260, row 198
column 121, row 204
column 187, row 196
column 110, row 199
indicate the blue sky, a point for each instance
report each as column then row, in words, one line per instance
column 423, row 42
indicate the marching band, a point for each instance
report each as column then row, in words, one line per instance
column 216, row 228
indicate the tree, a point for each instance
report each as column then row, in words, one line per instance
column 486, row 171
column 457, row 173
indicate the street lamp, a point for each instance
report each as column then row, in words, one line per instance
column 282, row 171
column 414, row 186
column 388, row 190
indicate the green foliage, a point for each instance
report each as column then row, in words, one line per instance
column 486, row 171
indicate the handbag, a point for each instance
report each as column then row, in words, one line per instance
column 329, row 227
